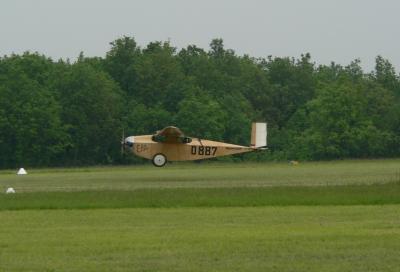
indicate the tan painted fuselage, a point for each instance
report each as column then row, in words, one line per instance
column 197, row 149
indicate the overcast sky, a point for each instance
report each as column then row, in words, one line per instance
column 331, row 30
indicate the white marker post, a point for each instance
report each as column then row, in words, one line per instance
column 10, row 191
column 22, row 171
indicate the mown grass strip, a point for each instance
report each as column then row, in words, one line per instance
column 206, row 197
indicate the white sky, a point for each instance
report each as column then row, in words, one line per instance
column 331, row 30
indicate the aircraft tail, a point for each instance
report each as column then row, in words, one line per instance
column 259, row 135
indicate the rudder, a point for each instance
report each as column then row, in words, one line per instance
column 259, row 134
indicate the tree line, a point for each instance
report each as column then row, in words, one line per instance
column 63, row 113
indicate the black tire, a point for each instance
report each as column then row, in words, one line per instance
column 159, row 160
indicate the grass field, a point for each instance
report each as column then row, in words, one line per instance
column 204, row 175
column 328, row 216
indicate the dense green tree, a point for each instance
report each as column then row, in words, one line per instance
column 293, row 85
column 238, row 118
column 196, row 67
column 340, row 124
column 31, row 131
column 257, row 89
column 160, row 77
column 120, row 63
column 91, row 108
column 73, row 112
column 201, row 116
column 385, row 74
column 141, row 119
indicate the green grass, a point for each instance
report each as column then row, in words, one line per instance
column 207, row 197
column 204, row 176
column 326, row 216
column 294, row 238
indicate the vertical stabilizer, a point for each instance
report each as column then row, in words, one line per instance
column 259, row 134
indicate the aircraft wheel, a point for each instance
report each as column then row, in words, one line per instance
column 159, row 160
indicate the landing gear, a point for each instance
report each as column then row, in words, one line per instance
column 159, row 160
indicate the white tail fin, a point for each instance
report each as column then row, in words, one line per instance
column 259, row 135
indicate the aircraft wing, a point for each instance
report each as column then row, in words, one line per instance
column 171, row 135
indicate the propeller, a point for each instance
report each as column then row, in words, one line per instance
column 123, row 142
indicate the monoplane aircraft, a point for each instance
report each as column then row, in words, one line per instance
column 171, row 144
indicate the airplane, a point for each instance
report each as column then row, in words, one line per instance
column 171, row 144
